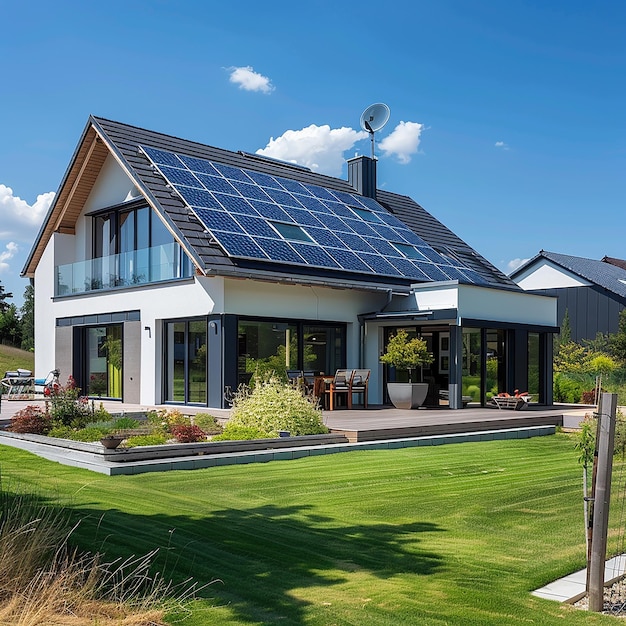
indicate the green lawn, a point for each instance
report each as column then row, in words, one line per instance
column 456, row 534
column 11, row 358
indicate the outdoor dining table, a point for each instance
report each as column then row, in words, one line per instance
column 320, row 384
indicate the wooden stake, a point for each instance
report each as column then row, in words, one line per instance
column 602, row 498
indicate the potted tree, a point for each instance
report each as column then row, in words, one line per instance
column 407, row 354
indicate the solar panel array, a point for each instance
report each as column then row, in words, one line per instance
column 256, row 216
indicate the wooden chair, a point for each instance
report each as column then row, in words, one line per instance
column 359, row 384
column 308, row 377
column 340, row 385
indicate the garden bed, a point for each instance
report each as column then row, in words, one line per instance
column 175, row 450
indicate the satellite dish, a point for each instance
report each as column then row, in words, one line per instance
column 373, row 119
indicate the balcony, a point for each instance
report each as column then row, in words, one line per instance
column 128, row 269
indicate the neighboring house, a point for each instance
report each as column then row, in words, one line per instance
column 592, row 292
column 168, row 271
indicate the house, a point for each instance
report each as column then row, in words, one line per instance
column 168, row 271
column 593, row 293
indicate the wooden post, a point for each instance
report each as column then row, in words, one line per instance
column 602, row 497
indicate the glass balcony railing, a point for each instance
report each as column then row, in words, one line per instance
column 138, row 267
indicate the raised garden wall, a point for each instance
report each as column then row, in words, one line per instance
column 175, row 450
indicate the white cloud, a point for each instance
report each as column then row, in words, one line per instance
column 20, row 223
column 320, row 148
column 249, row 80
column 513, row 264
column 11, row 249
column 20, row 220
column 403, row 141
column 501, row 144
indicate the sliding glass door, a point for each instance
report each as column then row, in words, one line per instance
column 104, row 361
column 186, row 361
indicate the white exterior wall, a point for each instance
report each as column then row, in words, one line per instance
column 44, row 323
column 546, row 275
column 487, row 304
column 188, row 298
column 304, row 302
column 112, row 187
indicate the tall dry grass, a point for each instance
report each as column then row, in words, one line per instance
column 43, row 581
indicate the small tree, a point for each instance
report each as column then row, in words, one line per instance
column 28, row 319
column 565, row 336
column 4, row 295
column 10, row 326
column 617, row 341
column 586, row 445
column 406, row 354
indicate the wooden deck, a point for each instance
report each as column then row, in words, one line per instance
column 383, row 422
column 378, row 423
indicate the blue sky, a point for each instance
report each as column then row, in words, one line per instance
column 507, row 116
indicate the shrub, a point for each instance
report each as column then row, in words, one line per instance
column 89, row 433
column 566, row 389
column 474, row 391
column 208, row 423
column 61, row 432
column 235, row 432
column 155, row 439
column 274, row 405
column 188, row 433
column 31, row 419
column 163, row 420
column 602, row 364
column 100, row 414
column 68, row 407
column 589, row 397
column 125, row 423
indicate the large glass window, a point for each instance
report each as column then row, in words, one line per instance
column 495, row 381
column 279, row 346
column 472, row 359
column 324, row 348
column 104, row 361
column 534, row 366
column 136, row 247
column 186, row 361
column 266, row 347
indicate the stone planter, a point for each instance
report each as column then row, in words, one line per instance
column 407, row 395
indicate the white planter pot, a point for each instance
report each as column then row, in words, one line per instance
column 407, row 395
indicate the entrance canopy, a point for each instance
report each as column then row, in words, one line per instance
column 459, row 303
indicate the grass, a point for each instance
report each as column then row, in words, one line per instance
column 11, row 358
column 45, row 582
column 456, row 534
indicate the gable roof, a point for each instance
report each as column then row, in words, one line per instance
column 609, row 276
column 127, row 144
column 613, row 261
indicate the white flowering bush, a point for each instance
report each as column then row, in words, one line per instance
column 274, row 405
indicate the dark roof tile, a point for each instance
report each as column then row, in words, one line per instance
column 126, row 139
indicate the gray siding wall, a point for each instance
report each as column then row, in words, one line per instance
column 63, row 353
column 132, row 362
column 590, row 311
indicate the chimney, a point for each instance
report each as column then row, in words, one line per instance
column 362, row 175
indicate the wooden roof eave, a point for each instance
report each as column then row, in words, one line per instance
column 84, row 168
column 73, row 190
column 150, row 198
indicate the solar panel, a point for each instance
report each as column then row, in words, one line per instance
column 280, row 250
column 315, row 255
column 253, row 215
column 240, row 245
